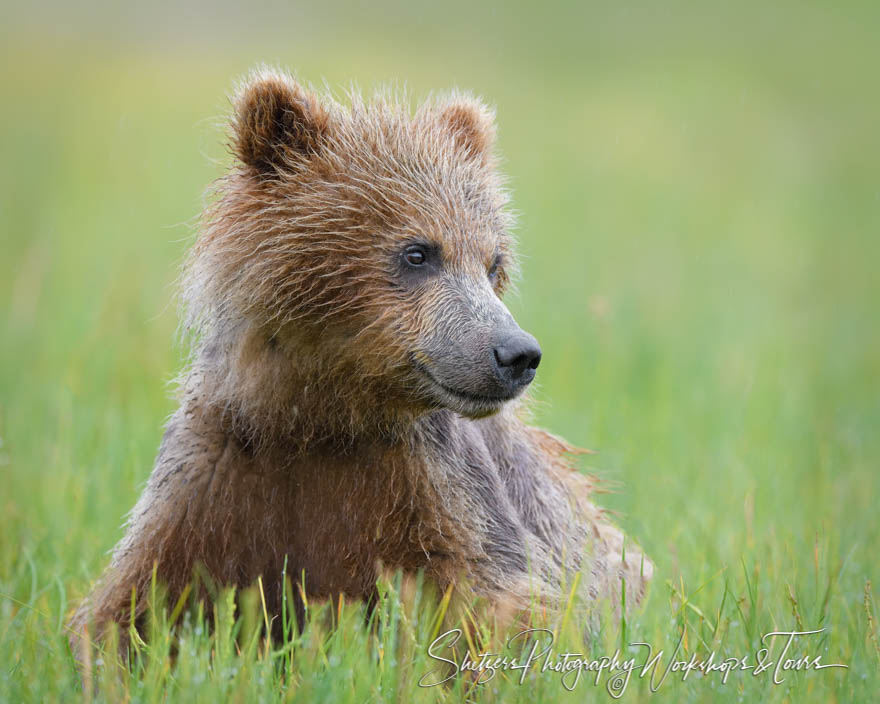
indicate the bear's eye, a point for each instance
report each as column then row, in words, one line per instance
column 415, row 255
column 494, row 269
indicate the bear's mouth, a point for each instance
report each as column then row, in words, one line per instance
column 477, row 404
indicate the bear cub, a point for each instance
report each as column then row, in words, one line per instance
column 352, row 394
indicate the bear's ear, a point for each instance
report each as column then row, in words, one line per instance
column 277, row 123
column 472, row 124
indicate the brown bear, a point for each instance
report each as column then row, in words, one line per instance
column 352, row 394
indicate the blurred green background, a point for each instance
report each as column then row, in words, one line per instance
column 699, row 195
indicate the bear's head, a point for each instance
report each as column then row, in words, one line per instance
column 358, row 254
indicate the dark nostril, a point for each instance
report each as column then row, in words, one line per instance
column 535, row 360
column 518, row 355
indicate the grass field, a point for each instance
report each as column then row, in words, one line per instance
column 700, row 235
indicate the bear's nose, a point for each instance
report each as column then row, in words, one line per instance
column 517, row 357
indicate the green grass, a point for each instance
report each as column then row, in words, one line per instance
column 700, row 230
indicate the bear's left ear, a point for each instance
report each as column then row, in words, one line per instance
column 472, row 124
column 277, row 123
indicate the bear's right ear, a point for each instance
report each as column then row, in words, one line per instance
column 277, row 123
column 471, row 123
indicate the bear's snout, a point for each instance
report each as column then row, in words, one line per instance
column 516, row 355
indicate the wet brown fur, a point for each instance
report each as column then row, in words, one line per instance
column 303, row 429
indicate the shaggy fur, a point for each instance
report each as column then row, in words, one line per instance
column 307, row 428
